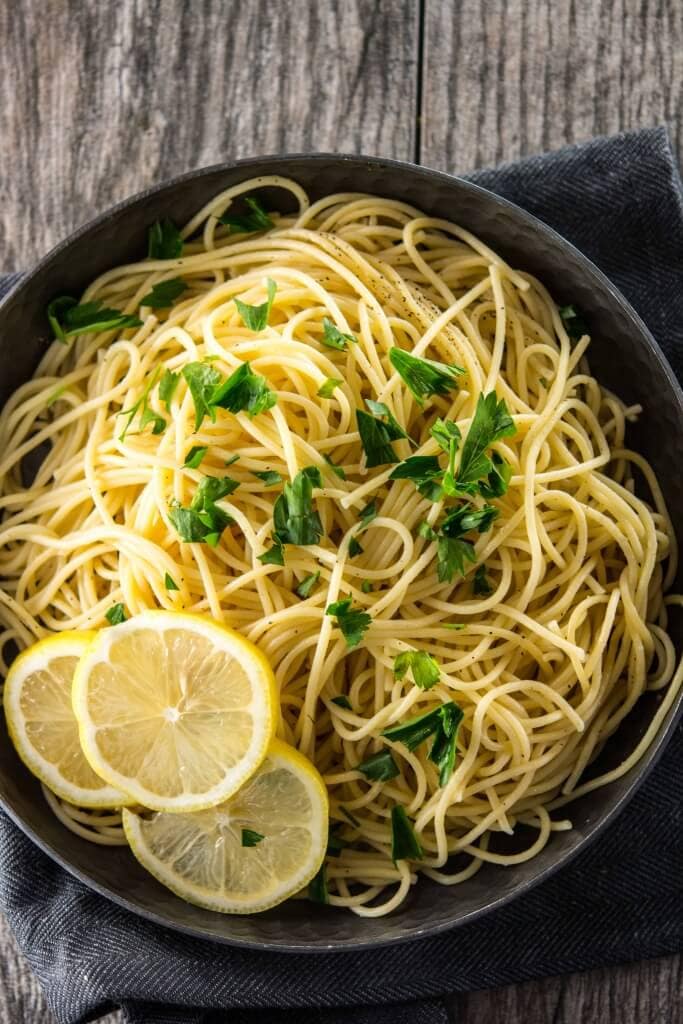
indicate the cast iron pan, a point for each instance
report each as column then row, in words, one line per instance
column 623, row 356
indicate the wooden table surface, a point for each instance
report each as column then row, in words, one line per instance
column 100, row 98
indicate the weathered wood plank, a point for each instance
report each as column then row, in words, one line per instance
column 100, row 100
column 505, row 78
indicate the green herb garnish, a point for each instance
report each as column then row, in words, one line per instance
column 167, row 386
column 366, row 515
column 377, row 432
column 202, row 380
column 426, row 531
column 115, row 615
column 452, row 554
column 423, row 667
column 251, row 838
column 498, row 480
column 355, row 548
column 480, row 584
column 461, row 520
column 342, row 701
column 490, row 423
column 204, row 521
column 337, row 470
column 317, row 887
column 194, row 457
column 574, row 323
column 352, row 622
column 164, row 241
column 305, row 588
column 256, row 317
column 421, row 469
column 147, row 415
column 170, row 583
column 424, row 377
column 333, row 337
column 244, row 391
column 275, row 555
column 380, row 767
column 295, row 520
column 255, row 220
column 404, row 843
column 68, row 318
column 270, row 477
column 327, row 388
column 164, row 293
column 442, row 723
column 366, row 587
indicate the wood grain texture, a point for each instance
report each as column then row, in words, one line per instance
column 99, row 99
column 505, row 78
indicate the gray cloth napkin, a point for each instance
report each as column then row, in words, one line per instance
column 619, row 200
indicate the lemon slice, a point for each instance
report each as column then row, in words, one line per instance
column 174, row 709
column 201, row 857
column 42, row 725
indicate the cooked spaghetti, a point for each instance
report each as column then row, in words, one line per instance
column 397, row 575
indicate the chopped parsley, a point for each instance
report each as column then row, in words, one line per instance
column 491, row 422
column 426, row 531
column 256, row 317
column 480, row 584
column 170, row 583
column 498, row 480
column 202, row 380
column 333, row 337
column 251, row 838
column 574, row 323
column 421, row 469
column 164, row 293
column 366, row 587
column 194, row 457
column 244, row 391
column 270, row 477
column 452, row 554
column 423, row 668
column 380, row 767
column 377, row 431
column 353, row 622
column 275, row 555
column 256, row 219
column 424, row 377
column 337, row 470
column 167, row 386
column 342, row 701
column 461, row 520
column 317, row 887
column 204, row 521
column 164, row 241
column 404, row 843
column 366, row 515
column 68, row 318
column 355, row 547
column 115, row 615
column 147, row 415
column 305, row 588
column 295, row 520
column 446, row 433
column 442, row 723
column 328, row 387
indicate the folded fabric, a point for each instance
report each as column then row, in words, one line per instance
column 619, row 200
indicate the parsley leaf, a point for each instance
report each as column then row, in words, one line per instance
column 195, row 455
column 424, row 377
column 366, row 515
column 333, row 337
column 480, row 583
column 366, row 587
column 251, row 838
column 115, row 615
column 337, row 470
column 446, row 433
column 170, row 583
column 164, row 241
column 164, row 293
column 498, row 480
column 376, row 435
column 380, row 767
column 423, row 667
column 328, row 387
column 256, row 317
column 491, row 422
column 255, row 220
column 202, row 380
column 342, row 701
column 305, row 588
column 461, row 520
column 147, row 415
column 317, row 887
column 451, row 557
column 295, row 520
column 68, row 318
column 355, row 548
column 404, row 843
column 442, row 723
column 203, row 521
column 167, row 386
column 421, row 469
column 275, row 555
column 574, row 323
column 352, row 622
column 270, row 477
column 244, row 391
column 426, row 531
